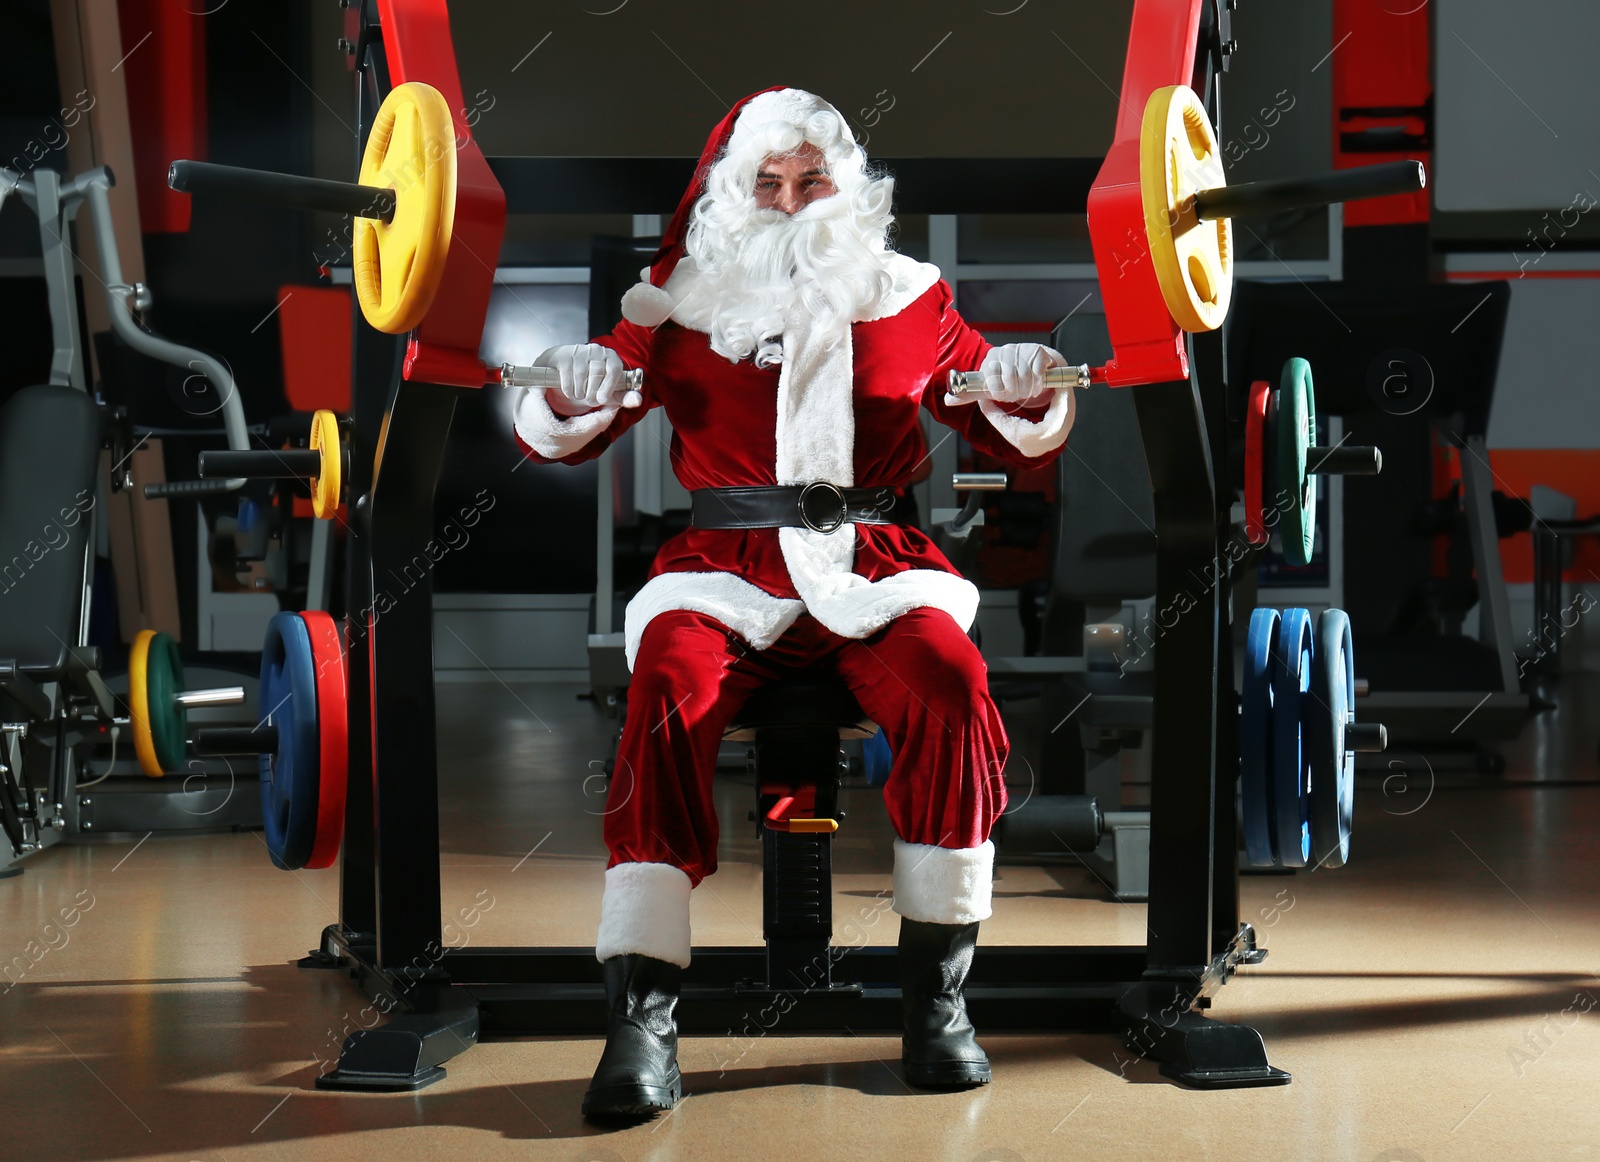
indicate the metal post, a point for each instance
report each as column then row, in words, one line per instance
column 405, row 775
column 605, row 536
column 66, row 361
column 375, row 360
column 944, row 445
column 1183, row 784
column 319, row 578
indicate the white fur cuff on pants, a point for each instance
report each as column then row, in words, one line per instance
column 943, row 885
column 645, row 910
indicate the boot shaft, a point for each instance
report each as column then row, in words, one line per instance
column 935, row 959
column 643, row 990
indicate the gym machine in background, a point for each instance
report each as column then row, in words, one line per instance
column 418, row 275
column 59, row 714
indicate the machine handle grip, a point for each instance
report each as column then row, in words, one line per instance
column 1057, row 378
column 281, row 189
column 979, row 481
column 516, row 375
column 1344, row 185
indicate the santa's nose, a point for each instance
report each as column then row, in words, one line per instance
column 789, row 200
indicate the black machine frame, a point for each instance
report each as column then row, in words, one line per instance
column 389, row 934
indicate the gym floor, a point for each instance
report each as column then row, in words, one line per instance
column 1429, row 999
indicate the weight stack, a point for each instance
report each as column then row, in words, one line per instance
column 797, row 891
column 797, row 866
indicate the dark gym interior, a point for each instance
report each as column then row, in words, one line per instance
column 308, row 769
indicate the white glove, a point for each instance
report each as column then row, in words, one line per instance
column 591, row 377
column 1014, row 373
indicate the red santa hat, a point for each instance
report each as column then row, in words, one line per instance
column 646, row 303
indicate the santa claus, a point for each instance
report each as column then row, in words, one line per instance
column 794, row 351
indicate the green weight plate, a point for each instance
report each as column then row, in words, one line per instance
column 169, row 721
column 1296, row 433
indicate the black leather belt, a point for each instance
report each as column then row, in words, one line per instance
column 818, row 506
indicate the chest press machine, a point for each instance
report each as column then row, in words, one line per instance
column 429, row 216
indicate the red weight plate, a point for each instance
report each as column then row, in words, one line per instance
column 327, row 652
column 1255, row 462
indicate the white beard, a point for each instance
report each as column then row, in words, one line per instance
column 748, row 271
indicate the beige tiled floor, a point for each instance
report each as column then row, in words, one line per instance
column 1430, row 999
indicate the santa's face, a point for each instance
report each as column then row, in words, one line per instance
column 792, row 181
column 790, row 225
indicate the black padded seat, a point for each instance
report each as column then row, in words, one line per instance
column 49, row 456
column 801, row 703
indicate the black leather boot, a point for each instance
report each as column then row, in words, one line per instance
column 638, row 1073
column 939, row 1050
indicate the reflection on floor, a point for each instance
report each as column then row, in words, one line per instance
column 1432, row 999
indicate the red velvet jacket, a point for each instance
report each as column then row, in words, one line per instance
column 724, row 417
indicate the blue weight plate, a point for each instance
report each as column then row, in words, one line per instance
column 1333, row 769
column 1291, row 689
column 290, row 786
column 1255, row 738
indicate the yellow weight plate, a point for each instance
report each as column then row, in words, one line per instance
column 399, row 264
column 1178, row 155
column 144, row 743
column 325, row 489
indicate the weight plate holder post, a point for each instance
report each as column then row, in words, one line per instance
column 405, row 219
column 1186, row 213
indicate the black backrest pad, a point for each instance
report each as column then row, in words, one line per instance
column 49, row 448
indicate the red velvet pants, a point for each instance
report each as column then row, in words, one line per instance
column 919, row 678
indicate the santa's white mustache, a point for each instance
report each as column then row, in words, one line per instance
column 759, row 265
